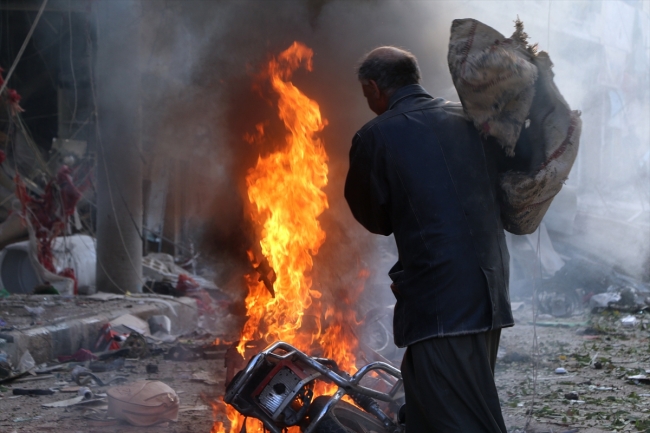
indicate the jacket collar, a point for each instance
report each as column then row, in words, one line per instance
column 406, row 92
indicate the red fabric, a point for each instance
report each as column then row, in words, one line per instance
column 69, row 273
column 13, row 95
column 186, row 283
column 107, row 335
column 191, row 288
column 79, row 356
column 49, row 213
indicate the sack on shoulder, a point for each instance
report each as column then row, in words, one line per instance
column 505, row 85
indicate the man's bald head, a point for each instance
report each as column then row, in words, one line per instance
column 390, row 67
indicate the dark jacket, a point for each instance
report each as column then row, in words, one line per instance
column 422, row 172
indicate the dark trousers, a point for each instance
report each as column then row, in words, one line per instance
column 449, row 385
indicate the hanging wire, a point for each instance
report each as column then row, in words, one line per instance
column 22, row 48
column 74, row 79
column 535, row 348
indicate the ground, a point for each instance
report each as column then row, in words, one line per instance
column 599, row 355
column 596, row 350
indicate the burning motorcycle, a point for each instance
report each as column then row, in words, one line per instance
column 277, row 388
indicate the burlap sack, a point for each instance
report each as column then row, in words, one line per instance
column 504, row 85
column 143, row 403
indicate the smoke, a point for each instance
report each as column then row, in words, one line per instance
column 202, row 95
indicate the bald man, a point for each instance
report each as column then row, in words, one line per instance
column 421, row 171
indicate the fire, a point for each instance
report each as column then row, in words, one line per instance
column 286, row 196
column 285, row 189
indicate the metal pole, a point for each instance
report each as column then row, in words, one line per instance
column 119, row 166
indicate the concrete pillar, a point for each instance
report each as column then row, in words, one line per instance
column 119, row 166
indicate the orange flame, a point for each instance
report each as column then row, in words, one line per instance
column 285, row 191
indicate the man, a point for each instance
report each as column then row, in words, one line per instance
column 420, row 170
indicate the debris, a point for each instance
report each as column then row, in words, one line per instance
column 35, row 311
column 160, row 323
column 21, row 391
column 205, row 377
column 5, row 367
column 82, row 376
column 65, row 403
column 137, row 346
column 629, row 321
column 152, row 368
column 79, row 356
column 34, row 378
column 26, row 362
column 109, row 339
column 559, row 324
column 45, row 289
column 101, row 367
column 103, row 296
column 143, row 403
column 515, row 357
column 571, row 396
column 639, row 378
column 233, row 361
column 128, row 323
column 601, row 301
column 84, row 394
column 200, row 407
column 560, row 370
column 181, row 353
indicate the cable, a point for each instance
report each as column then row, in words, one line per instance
column 74, row 78
column 22, row 49
column 535, row 349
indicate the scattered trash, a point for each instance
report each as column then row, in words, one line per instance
column 639, row 378
column 143, row 403
column 598, row 365
column 101, row 367
column 82, row 376
column 181, row 353
column 205, row 377
column 559, row 324
column 558, row 304
column 26, row 362
column 200, row 407
column 21, row 391
column 83, row 394
column 5, row 367
column 602, row 301
column 46, row 289
column 79, row 356
column 35, row 311
column 160, row 323
column 137, row 346
column 511, row 357
column 560, row 370
column 629, row 321
column 152, row 368
column 127, row 323
column 571, row 396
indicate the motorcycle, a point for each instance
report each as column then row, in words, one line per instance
column 277, row 388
